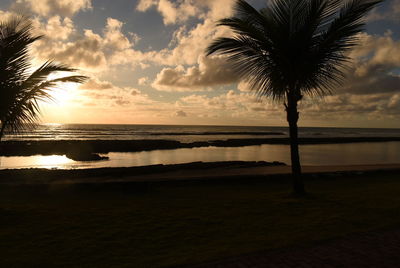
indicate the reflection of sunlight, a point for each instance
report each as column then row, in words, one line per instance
column 52, row 124
column 36, row 161
column 53, row 161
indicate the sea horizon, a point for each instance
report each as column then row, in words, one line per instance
column 186, row 133
column 211, row 125
column 176, row 144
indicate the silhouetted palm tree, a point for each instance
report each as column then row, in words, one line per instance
column 21, row 89
column 292, row 48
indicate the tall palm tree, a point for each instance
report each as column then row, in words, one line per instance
column 21, row 89
column 292, row 48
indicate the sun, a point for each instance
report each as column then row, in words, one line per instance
column 61, row 108
column 64, row 93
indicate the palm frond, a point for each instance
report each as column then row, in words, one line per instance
column 20, row 90
column 292, row 45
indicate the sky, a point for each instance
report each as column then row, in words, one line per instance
column 146, row 63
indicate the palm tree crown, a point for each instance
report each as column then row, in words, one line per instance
column 292, row 45
column 21, row 90
column 292, row 48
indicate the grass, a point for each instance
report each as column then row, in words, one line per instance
column 185, row 223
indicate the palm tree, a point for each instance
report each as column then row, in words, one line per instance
column 292, row 48
column 21, row 89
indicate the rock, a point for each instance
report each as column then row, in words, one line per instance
column 85, row 156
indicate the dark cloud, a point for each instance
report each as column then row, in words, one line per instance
column 211, row 71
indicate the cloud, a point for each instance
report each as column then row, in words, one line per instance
column 145, row 5
column 86, row 52
column 172, row 11
column 5, row 15
column 114, row 39
column 232, row 104
column 96, row 84
column 107, row 94
column 211, row 71
column 64, row 8
column 180, row 11
column 143, row 81
column 55, row 28
column 135, row 92
column 392, row 13
column 188, row 44
column 374, row 65
column 347, row 106
column 89, row 51
column 180, row 114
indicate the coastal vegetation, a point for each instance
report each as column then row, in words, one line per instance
column 290, row 49
column 21, row 89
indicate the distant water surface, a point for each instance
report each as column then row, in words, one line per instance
column 185, row 133
column 322, row 154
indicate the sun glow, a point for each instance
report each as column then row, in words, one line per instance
column 62, row 107
column 64, row 93
column 53, row 161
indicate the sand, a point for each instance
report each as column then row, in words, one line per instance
column 180, row 172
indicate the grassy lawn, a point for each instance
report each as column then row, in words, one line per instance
column 182, row 224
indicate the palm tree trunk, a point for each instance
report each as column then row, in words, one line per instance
column 3, row 127
column 292, row 118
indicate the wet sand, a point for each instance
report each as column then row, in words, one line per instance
column 197, row 171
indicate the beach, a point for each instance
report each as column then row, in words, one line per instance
column 189, row 214
column 196, row 171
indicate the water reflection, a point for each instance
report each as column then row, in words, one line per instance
column 327, row 154
column 37, row 161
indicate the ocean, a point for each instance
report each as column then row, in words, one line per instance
column 317, row 154
column 186, row 133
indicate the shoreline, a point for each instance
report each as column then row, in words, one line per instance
column 182, row 173
column 63, row 147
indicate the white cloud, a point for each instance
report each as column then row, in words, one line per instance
column 145, row 5
column 89, row 51
column 143, row 81
column 96, row 84
column 65, row 8
column 172, row 11
column 181, row 10
column 86, row 52
column 55, row 28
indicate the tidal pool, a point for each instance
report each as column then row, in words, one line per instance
column 321, row 154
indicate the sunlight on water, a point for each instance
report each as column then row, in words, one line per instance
column 322, row 154
column 36, row 161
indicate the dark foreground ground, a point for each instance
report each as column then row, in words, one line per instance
column 379, row 248
column 188, row 223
